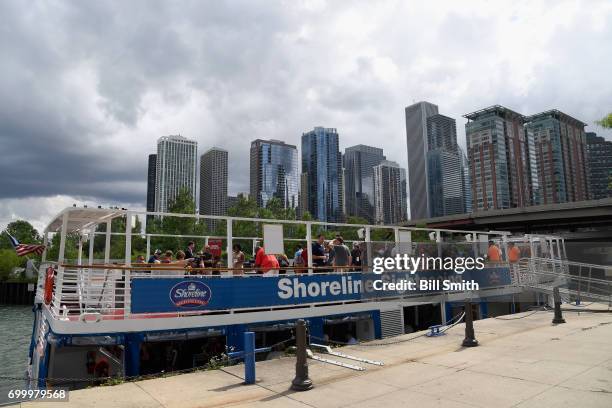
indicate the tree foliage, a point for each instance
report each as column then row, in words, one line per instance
column 8, row 261
column 23, row 231
column 606, row 122
column 183, row 204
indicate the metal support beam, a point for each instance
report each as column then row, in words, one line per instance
column 148, row 247
column 60, row 270
column 128, row 238
column 91, row 248
column 46, row 244
column 107, row 242
column 309, row 246
column 368, row 241
column 230, row 244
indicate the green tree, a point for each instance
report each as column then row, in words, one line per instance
column 70, row 250
column 8, row 261
column 606, row 122
column 23, row 231
column 182, row 204
column 117, row 245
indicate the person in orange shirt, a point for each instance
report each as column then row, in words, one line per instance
column 514, row 253
column 493, row 253
column 268, row 263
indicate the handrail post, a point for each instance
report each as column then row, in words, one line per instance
column 107, row 243
column 59, row 283
column 128, row 262
column 148, row 246
column 92, row 237
column 309, row 246
column 230, row 244
column 80, row 250
column 301, row 382
column 368, row 241
column 43, row 257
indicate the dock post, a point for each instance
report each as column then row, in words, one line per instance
column 249, row 357
column 301, row 382
column 558, row 319
column 470, row 339
column 248, row 354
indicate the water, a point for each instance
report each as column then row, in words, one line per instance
column 15, row 332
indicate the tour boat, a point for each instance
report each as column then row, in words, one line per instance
column 100, row 318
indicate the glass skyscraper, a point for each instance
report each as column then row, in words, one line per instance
column 175, row 169
column 359, row 162
column 151, row 182
column 390, row 204
column 274, row 172
column 445, row 178
column 599, row 154
column 418, row 146
column 213, row 182
column 322, row 163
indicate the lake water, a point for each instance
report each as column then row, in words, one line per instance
column 15, row 332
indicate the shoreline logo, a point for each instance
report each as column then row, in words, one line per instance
column 190, row 294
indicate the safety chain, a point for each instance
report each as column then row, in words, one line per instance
column 539, row 310
column 459, row 317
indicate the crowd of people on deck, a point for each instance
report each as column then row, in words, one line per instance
column 327, row 256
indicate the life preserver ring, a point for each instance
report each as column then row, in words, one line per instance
column 49, row 281
column 102, row 368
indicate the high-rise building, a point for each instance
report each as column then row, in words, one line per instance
column 234, row 200
column 322, row 161
column 560, row 153
column 445, row 183
column 175, row 169
column 151, row 182
column 213, row 182
column 599, row 159
column 445, row 178
column 303, row 197
column 390, row 204
column 498, row 154
column 274, row 172
column 418, row 146
column 466, row 182
column 359, row 162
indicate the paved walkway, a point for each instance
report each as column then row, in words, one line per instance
column 521, row 362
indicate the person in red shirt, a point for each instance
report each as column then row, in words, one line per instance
column 268, row 263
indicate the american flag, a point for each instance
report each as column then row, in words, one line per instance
column 24, row 249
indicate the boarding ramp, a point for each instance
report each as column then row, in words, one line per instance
column 577, row 281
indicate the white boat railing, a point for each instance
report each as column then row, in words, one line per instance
column 103, row 292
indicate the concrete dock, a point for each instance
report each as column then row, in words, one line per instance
column 522, row 361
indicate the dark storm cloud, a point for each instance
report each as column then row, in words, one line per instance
column 52, row 144
column 86, row 88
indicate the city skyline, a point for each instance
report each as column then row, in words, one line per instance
column 81, row 113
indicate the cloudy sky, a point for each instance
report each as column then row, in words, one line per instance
column 87, row 87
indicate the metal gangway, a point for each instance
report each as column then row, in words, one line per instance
column 545, row 266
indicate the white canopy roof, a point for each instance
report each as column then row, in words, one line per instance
column 82, row 219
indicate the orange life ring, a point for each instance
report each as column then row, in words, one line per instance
column 49, row 280
column 102, row 368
